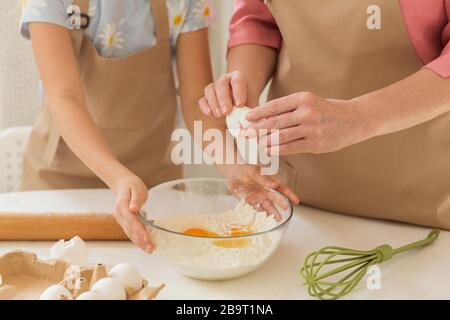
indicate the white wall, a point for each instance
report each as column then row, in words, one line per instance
column 219, row 34
column 18, row 75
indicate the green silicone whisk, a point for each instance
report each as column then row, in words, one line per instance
column 332, row 272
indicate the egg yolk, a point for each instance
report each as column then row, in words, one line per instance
column 224, row 243
column 199, row 232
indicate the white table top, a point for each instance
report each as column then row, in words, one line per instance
column 422, row 274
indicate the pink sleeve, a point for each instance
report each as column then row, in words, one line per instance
column 441, row 65
column 428, row 26
column 253, row 23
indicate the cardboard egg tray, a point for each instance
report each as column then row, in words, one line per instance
column 24, row 277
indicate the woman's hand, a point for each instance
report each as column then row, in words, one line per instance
column 231, row 90
column 307, row 123
column 131, row 195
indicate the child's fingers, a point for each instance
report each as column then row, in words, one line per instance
column 121, row 219
column 138, row 199
column 278, row 199
column 129, row 203
column 271, row 210
column 134, row 228
column 139, row 232
column 261, row 200
column 289, row 193
column 269, row 182
column 135, row 204
column 265, row 181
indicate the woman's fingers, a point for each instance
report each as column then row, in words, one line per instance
column 239, row 88
column 281, row 121
column 204, row 106
column 286, row 135
column 211, row 98
column 224, row 95
column 273, row 125
column 231, row 90
column 278, row 128
column 274, row 107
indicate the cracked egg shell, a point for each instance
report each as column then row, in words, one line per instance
column 237, row 120
column 74, row 251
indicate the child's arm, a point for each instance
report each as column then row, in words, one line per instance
column 194, row 73
column 64, row 94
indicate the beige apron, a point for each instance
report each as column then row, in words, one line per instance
column 329, row 50
column 132, row 99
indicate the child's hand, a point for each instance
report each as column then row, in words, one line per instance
column 131, row 195
column 231, row 90
column 246, row 180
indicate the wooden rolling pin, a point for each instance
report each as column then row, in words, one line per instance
column 56, row 226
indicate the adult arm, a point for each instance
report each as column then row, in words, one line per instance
column 253, row 48
column 194, row 74
column 311, row 124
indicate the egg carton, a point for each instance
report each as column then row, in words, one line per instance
column 25, row 277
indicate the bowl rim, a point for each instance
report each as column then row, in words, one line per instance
column 151, row 223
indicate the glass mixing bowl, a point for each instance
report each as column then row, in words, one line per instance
column 208, row 256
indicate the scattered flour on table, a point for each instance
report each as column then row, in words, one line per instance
column 202, row 258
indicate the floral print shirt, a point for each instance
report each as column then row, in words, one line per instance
column 117, row 27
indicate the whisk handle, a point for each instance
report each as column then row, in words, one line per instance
column 432, row 236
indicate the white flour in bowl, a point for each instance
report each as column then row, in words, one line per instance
column 217, row 259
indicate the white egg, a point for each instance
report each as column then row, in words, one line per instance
column 128, row 275
column 89, row 295
column 109, row 289
column 56, row 292
column 237, row 120
column 74, row 251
